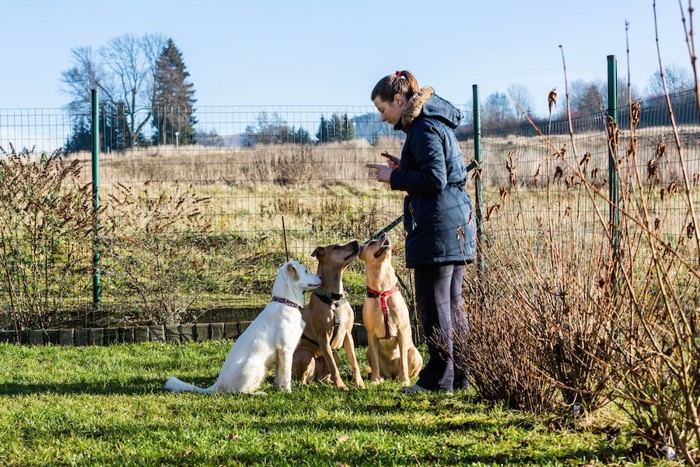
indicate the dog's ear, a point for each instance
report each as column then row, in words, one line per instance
column 292, row 271
column 318, row 252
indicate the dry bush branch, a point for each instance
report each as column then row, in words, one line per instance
column 661, row 344
column 159, row 245
column 45, row 230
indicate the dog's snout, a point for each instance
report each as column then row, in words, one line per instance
column 315, row 280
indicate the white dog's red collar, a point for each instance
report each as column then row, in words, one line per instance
column 284, row 301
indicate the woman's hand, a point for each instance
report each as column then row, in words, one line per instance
column 383, row 172
column 392, row 161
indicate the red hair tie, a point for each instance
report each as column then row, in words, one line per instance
column 399, row 73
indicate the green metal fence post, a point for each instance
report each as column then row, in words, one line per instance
column 96, row 286
column 479, row 182
column 613, row 175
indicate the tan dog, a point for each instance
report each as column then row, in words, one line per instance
column 390, row 350
column 329, row 321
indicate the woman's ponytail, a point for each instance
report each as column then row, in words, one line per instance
column 401, row 82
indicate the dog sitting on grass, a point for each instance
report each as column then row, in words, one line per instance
column 390, row 351
column 329, row 318
column 268, row 342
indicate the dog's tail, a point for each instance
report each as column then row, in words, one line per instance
column 175, row 385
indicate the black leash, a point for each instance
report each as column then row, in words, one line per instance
column 386, row 229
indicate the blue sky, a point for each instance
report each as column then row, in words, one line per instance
column 265, row 52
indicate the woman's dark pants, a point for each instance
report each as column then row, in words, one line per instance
column 439, row 301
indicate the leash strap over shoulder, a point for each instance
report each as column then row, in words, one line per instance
column 371, row 293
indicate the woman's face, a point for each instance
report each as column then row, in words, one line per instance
column 390, row 111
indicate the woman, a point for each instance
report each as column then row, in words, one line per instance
column 437, row 217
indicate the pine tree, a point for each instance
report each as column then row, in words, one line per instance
column 337, row 128
column 80, row 138
column 322, row 135
column 113, row 129
column 344, row 128
column 173, row 111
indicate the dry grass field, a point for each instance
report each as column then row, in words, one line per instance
column 324, row 194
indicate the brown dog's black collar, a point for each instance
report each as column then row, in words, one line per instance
column 330, row 298
column 307, row 338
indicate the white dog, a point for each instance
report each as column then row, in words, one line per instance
column 269, row 341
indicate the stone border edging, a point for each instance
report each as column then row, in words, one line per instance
column 129, row 334
column 176, row 333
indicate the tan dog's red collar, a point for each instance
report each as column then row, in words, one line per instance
column 371, row 293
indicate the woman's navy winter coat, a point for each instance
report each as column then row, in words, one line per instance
column 437, row 210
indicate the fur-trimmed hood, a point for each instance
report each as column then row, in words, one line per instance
column 426, row 102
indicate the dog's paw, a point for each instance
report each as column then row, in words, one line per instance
column 259, row 393
column 360, row 384
column 376, row 380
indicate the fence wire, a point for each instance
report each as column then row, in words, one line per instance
column 244, row 170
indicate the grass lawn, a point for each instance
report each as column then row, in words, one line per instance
column 105, row 405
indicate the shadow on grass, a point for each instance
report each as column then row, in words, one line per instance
column 291, row 433
column 131, row 386
column 306, row 442
column 446, row 456
column 378, row 453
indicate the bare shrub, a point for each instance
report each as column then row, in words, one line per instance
column 608, row 300
column 546, row 291
column 157, row 246
column 497, row 350
column 555, row 268
column 45, row 236
column 660, row 345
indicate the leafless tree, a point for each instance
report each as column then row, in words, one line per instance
column 497, row 112
column 521, row 94
column 79, row 80
column 586, row 98
column 123, row 72
column 677, row 78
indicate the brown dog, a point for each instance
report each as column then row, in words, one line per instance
column 390, row 350
column 329, row 321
